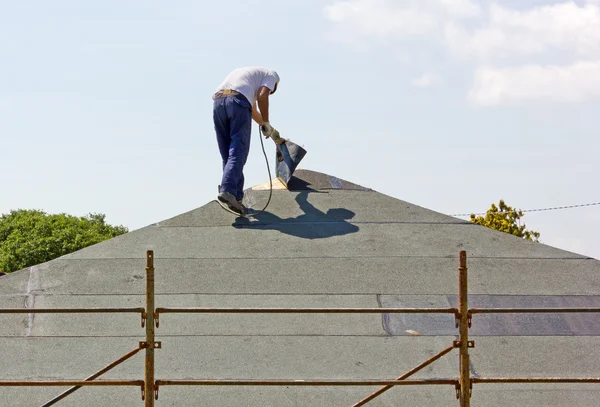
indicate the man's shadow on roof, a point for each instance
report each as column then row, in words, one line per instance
column 312, row 224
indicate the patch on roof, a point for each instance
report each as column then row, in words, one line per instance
column 542, row 324
column 265, row 186
column 310, row 180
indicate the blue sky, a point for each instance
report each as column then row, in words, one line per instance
column 448, row 104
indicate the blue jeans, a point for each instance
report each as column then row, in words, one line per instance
column 233, row 123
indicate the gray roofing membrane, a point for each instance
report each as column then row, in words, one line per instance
column 325, row 242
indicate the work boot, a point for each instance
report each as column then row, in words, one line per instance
column 232, row 203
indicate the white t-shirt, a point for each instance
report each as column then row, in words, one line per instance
column 249, row 80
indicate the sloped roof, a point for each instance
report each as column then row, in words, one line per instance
column 325, row 242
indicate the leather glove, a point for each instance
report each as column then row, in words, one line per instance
column 270, row 132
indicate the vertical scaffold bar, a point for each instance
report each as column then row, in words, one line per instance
column 149, row 360
column 463, row 307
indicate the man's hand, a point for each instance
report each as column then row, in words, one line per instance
column 270, row 132
column 267, row 129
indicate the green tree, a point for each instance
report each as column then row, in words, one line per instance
column 30, row 237
column 506, row 219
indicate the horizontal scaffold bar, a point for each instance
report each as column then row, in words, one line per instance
column 305, row 382
column 530, row 310
column 65, row 383
column 71, row 310
column 536, row 380
column 307, row 311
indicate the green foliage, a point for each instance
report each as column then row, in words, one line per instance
column 506, row 219
column 30, row 237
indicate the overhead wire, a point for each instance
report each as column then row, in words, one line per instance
column 531, row 210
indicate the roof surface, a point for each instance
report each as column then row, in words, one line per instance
column 324, row 243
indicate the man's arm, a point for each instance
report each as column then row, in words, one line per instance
column 263, row 102
column 263, row 106
column 256, row 115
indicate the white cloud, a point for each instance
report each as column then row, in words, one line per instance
column 505, row 47
column 427, row 80
column 384, row 19
column 379, row 18
column 503, row 32
column 461, row 8
column 565, row 27
column 572, row 83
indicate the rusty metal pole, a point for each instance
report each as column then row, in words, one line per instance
column 149, row 360
column 92, row 377
column 463, row 307
column 405, row 375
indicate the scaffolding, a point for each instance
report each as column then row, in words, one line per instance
column 149, row 315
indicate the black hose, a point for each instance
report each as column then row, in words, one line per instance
column 260, row 134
